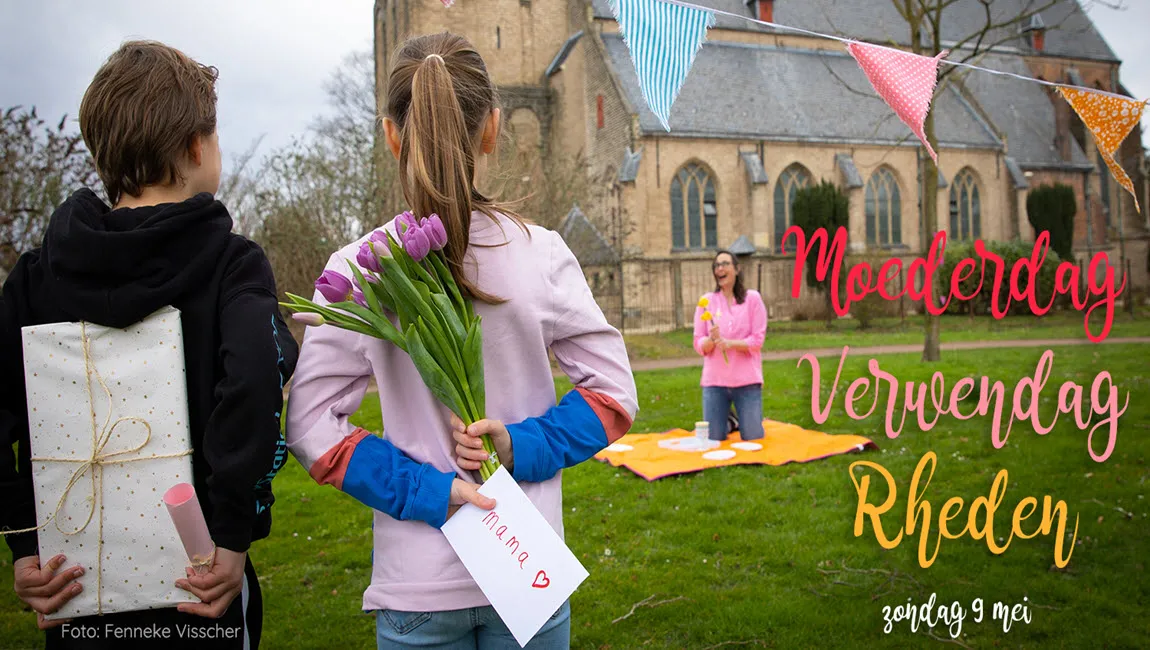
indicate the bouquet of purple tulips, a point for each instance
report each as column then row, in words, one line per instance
column 406, row 295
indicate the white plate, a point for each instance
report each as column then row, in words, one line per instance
column 688, row 444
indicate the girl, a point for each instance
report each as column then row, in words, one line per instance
column 442, row 122
column 736, row 327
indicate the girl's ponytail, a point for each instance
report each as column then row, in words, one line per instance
column 440, row 96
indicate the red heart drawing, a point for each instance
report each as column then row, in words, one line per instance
column 541, row 580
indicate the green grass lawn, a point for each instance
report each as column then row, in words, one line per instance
column 757, row 554
column 803, row 335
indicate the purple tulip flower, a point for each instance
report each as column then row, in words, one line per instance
column 366, row 258
column 358, row 297
column 416, row 243
column 379, row 237
column 405, row 222
column 436, row 232
column 333, row 286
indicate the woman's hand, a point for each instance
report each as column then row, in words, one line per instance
column 715, row 337
column 469, row 446
column 43, row 589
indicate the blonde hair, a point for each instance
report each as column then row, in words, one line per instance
column 440, row 96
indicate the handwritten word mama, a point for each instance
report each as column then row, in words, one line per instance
column 1023, row 283
column 986, row 506
column 492, row 520
column 991, row 399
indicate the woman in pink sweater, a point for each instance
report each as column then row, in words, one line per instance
column 441, row 122
column 731, row 342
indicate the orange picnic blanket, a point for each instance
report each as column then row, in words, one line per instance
column 656, row 455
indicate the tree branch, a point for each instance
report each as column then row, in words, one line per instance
column 646, row 602
column 980, row 50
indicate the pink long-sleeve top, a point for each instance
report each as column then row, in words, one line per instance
column 406, row 475
column 746, row 322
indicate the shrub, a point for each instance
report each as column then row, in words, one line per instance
column 820, row 206
column 1051, row 208
column 1010, row 252
column 873, row 305
column 868, row 309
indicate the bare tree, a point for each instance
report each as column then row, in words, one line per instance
column 335, row 183
column 311, row 196
column 925, row 19
column 40, row 165
column 238, row 188
column 542, row 188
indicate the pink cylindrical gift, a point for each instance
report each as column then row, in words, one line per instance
column 184, row 508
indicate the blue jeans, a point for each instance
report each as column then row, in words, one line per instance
column 748, row 401
column 477, row 628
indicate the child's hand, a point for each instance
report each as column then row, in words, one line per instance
column 216, row 588
column 463, row 492
column 469, row 447
column 45, row 590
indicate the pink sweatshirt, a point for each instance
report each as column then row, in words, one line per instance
column 745, row 322
column 549, row 306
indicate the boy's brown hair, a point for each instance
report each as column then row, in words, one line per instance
column 140, row 112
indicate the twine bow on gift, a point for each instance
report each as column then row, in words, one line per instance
column 93, row 465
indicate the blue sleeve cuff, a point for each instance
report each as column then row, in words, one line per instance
column 527, row 443
column 381, row 476
column 567, row 434
column 432, row 496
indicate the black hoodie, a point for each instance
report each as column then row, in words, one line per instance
column 114, row 268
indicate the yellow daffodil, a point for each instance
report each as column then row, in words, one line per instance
column 704, row 302
column 706, row 316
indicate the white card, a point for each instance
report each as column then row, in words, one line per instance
column 515, row 557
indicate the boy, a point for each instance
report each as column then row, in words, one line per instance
column 149, row 120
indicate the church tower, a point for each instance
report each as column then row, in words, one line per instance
column 517, row 38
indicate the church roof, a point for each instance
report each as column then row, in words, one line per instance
column 742, row 246
column 789, row 95
column 1069, row 31
column 1017, row 176
column 563, row 53
column 629, row 170
column 850, row 172
column 756, row 175
column 1023, row 112
column 585, row 240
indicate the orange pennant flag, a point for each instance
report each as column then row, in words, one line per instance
column 1110, row 118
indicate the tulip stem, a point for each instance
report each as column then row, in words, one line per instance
column 490, row 465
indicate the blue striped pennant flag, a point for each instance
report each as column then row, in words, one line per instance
column 663, row 39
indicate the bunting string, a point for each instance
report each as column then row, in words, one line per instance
column 848, row 41
column 663, row 37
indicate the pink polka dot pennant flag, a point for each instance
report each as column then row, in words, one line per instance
column 1110, row 119
column 904, row 80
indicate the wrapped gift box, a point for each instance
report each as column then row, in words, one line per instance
column 108, row 415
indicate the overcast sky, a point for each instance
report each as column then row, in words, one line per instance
column 274, row 56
